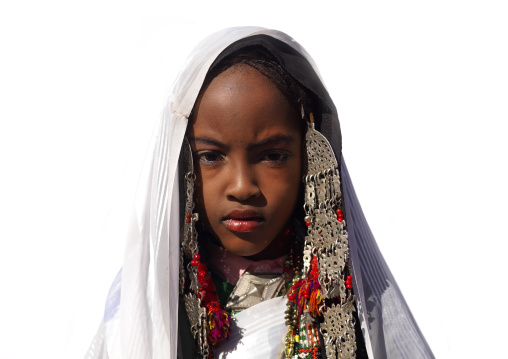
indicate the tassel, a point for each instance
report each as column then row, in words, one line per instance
column 295, row 289
column 219, row 324
column 306, row 293
column 315, row 303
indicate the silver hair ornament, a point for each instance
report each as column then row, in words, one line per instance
column 189, row 248
column 190, row 235
column 327, row 240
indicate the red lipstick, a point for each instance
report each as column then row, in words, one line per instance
column 243, row 220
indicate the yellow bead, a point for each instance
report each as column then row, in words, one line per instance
column 297, row 338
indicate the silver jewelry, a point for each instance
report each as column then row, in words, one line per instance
column 252, row 289
column 197, row 322
column 327, row 240
column 189, row 248
column 190, row 235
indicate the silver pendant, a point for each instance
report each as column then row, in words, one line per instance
column 197, row 321
column 338, row 330
column 252, row 289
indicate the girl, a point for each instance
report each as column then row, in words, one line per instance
column 230, row 254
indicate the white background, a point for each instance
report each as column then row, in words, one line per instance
column 421, row 90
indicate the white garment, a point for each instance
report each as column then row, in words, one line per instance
column 258, row 332
column 142, row 314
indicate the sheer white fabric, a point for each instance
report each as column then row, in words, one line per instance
column 141, row 315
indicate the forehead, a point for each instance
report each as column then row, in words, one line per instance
column 241, row 104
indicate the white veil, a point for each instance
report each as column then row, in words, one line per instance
column 141, row 315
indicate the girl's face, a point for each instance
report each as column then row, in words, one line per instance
column 246, row 140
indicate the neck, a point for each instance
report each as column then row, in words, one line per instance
column 230, row 266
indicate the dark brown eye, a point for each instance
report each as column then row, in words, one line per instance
column 276, row 156
column 209, row 157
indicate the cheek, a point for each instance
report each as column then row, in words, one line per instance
column 283, row 188
column 203, row 195
column 209, row 197
column 295, row 183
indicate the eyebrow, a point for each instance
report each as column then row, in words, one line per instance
column 278, row 139
column 208, row 141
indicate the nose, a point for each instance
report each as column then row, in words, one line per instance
column 242, row 183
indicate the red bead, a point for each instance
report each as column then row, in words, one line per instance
column 307, row 224
column 287, row 232
column 194, row 262
column 188, row 215
column 187, row 220
column 340, row 219
column 339, row 211
column 349, row 277
column 348, row 282
column 349, row 286
column 197, row 257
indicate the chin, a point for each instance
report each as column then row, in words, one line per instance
column 244, row 252
column 243, row 249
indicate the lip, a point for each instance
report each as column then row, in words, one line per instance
column 243, row 220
